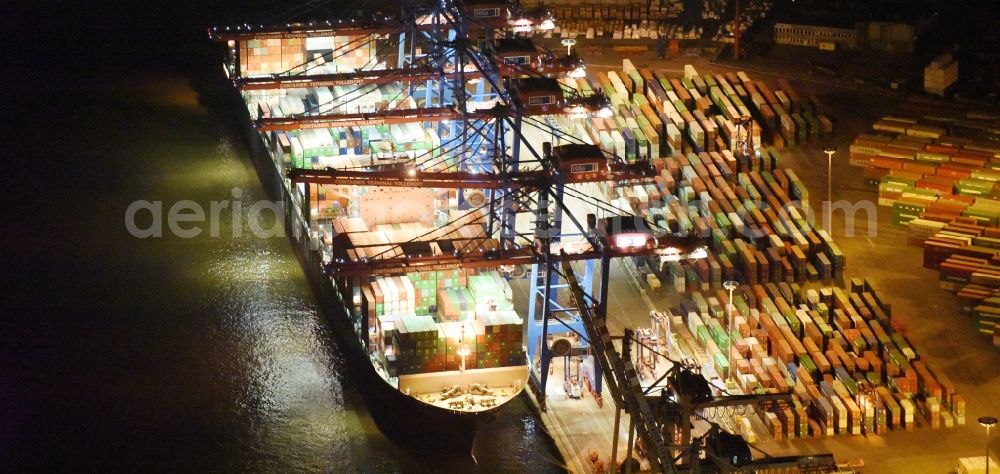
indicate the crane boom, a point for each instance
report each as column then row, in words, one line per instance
column 454, row 180
column 624, row 384
column 375, row 76
column 384, row 76
column 475, row 252
column 732, row 400
column 305, row 30
column 388, row 117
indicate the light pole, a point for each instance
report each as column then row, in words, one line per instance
column 730, row 285
column 568, row 43
column 829, row 188
column 463, row 351
column 987, row 422
column 736, row 38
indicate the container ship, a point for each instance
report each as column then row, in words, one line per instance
column 447, row 183
column 413, row 196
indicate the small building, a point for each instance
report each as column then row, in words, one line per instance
column 940, row 74
column 890, row 37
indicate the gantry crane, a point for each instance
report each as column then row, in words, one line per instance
column 657, row 416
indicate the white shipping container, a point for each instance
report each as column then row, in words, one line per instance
column 619, row 143
column 606, row 142
column 319, row 42
column 617, row 84
column 323, row 95
column 976, row 465
column 582, row 133
column 627, row 66
column 697, row 134
column 908, row 409
column 693, row 322
column 291, row 105
column 841, row 414
column 640, row 194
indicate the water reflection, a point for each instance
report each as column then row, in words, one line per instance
column 288, row 375
column 182, row 355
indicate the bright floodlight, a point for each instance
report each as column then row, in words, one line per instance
column 698, row 253
column 463, row 350
column 522, row 25
column 631, row 240
column 730, row 285
column 829, row 150
column 669, row 254
column 576, row 111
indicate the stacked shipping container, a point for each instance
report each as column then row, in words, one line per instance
column 941, row 166
column 422, row 322
column 697, row 112
column 261, row 57
column 627, row 20
column 967, row 258
column 757, row 233
column 835, row 350
column 361, row 146
column 940, row 173
column 921, row 171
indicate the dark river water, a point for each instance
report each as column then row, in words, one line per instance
column 204, row 354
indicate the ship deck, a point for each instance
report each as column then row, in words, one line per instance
column 469, row 402
column 470, row 391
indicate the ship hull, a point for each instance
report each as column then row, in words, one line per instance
column 400, row 417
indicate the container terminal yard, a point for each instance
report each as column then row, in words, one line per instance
column 641, row 251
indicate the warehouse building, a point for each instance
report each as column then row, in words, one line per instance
column 871, row 36
column 822, row 37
